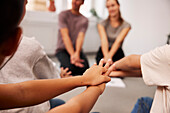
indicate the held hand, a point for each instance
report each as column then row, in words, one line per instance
column 75, row 59
column 65, row 72
column 107, row 57
column 107, row 65
column 93, row 75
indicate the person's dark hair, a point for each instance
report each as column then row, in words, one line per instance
column 11, row 12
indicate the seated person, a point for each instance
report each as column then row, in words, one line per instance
column 31, row 64
column 34, row 92
column 72, row 28
column 112, row 33
column 154, row 68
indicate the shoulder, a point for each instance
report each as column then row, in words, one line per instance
column 125, row 24
column 84, row 19
column 31, row 44
column 64, row 13
column 104, row 22
column 159, row 54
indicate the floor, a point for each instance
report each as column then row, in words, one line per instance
column 115, row 99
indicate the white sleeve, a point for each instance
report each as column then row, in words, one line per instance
column 155, row 66
column 45, row 68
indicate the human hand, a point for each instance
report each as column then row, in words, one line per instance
column 107, row 57
column 107, row 65
column 65, row 72
column 75, row 59
column 93, row 75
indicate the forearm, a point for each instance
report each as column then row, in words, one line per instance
column 128, row 63
column 116, row 45
column 79, row 104
column 79, row 42
column 133, row 73
column 35, row 92
column 119, row 40
column 103, row 38
column 104, row 47
column 67, row 41
column 68, row 45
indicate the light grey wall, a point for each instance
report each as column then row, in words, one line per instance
column 150, row 21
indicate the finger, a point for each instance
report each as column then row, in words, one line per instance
column 106, row 79
column 111, row 69
column 79, row 65
column 101, row 62
column 108, row 63
column 66, row 69
column 69, row 73
column 108, row 72
column 103, row 70
column 80, row 60
column 95, row 64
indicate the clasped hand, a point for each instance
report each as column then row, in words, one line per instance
column 98, row 75
column 75, row 59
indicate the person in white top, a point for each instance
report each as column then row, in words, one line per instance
column 34, row 92
column 30, row 62
column 154, row 67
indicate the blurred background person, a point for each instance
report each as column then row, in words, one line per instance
column 72, row 29
column 112, row 33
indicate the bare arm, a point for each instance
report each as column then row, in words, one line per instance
column 67, row 41
column 118, row 42
column 79, row 42
column 103, row 38
column 35, row 92
column 128, row 63
column 133, row 73
column 75, row 58
column 79, row 104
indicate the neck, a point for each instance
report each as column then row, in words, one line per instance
column 114, row 18
column 76, row 12
column 114, row 21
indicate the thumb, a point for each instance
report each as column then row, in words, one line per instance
column 106, row 79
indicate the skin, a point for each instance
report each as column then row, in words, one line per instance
column 127, row 67
column 78, row 103
column 65, row 72
column 74, row 54
column 34, row 92
column 114, row 17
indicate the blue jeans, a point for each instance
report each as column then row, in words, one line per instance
column 143, row 105
column 56, row 102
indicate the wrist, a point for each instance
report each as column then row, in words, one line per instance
column 96, row 89
column 85, row 81
column 77, row 53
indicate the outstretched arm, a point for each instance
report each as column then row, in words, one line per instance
column 35, row 92
column 128, row 63
column 133, row 73
column 79, row 103
column 127, row 67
